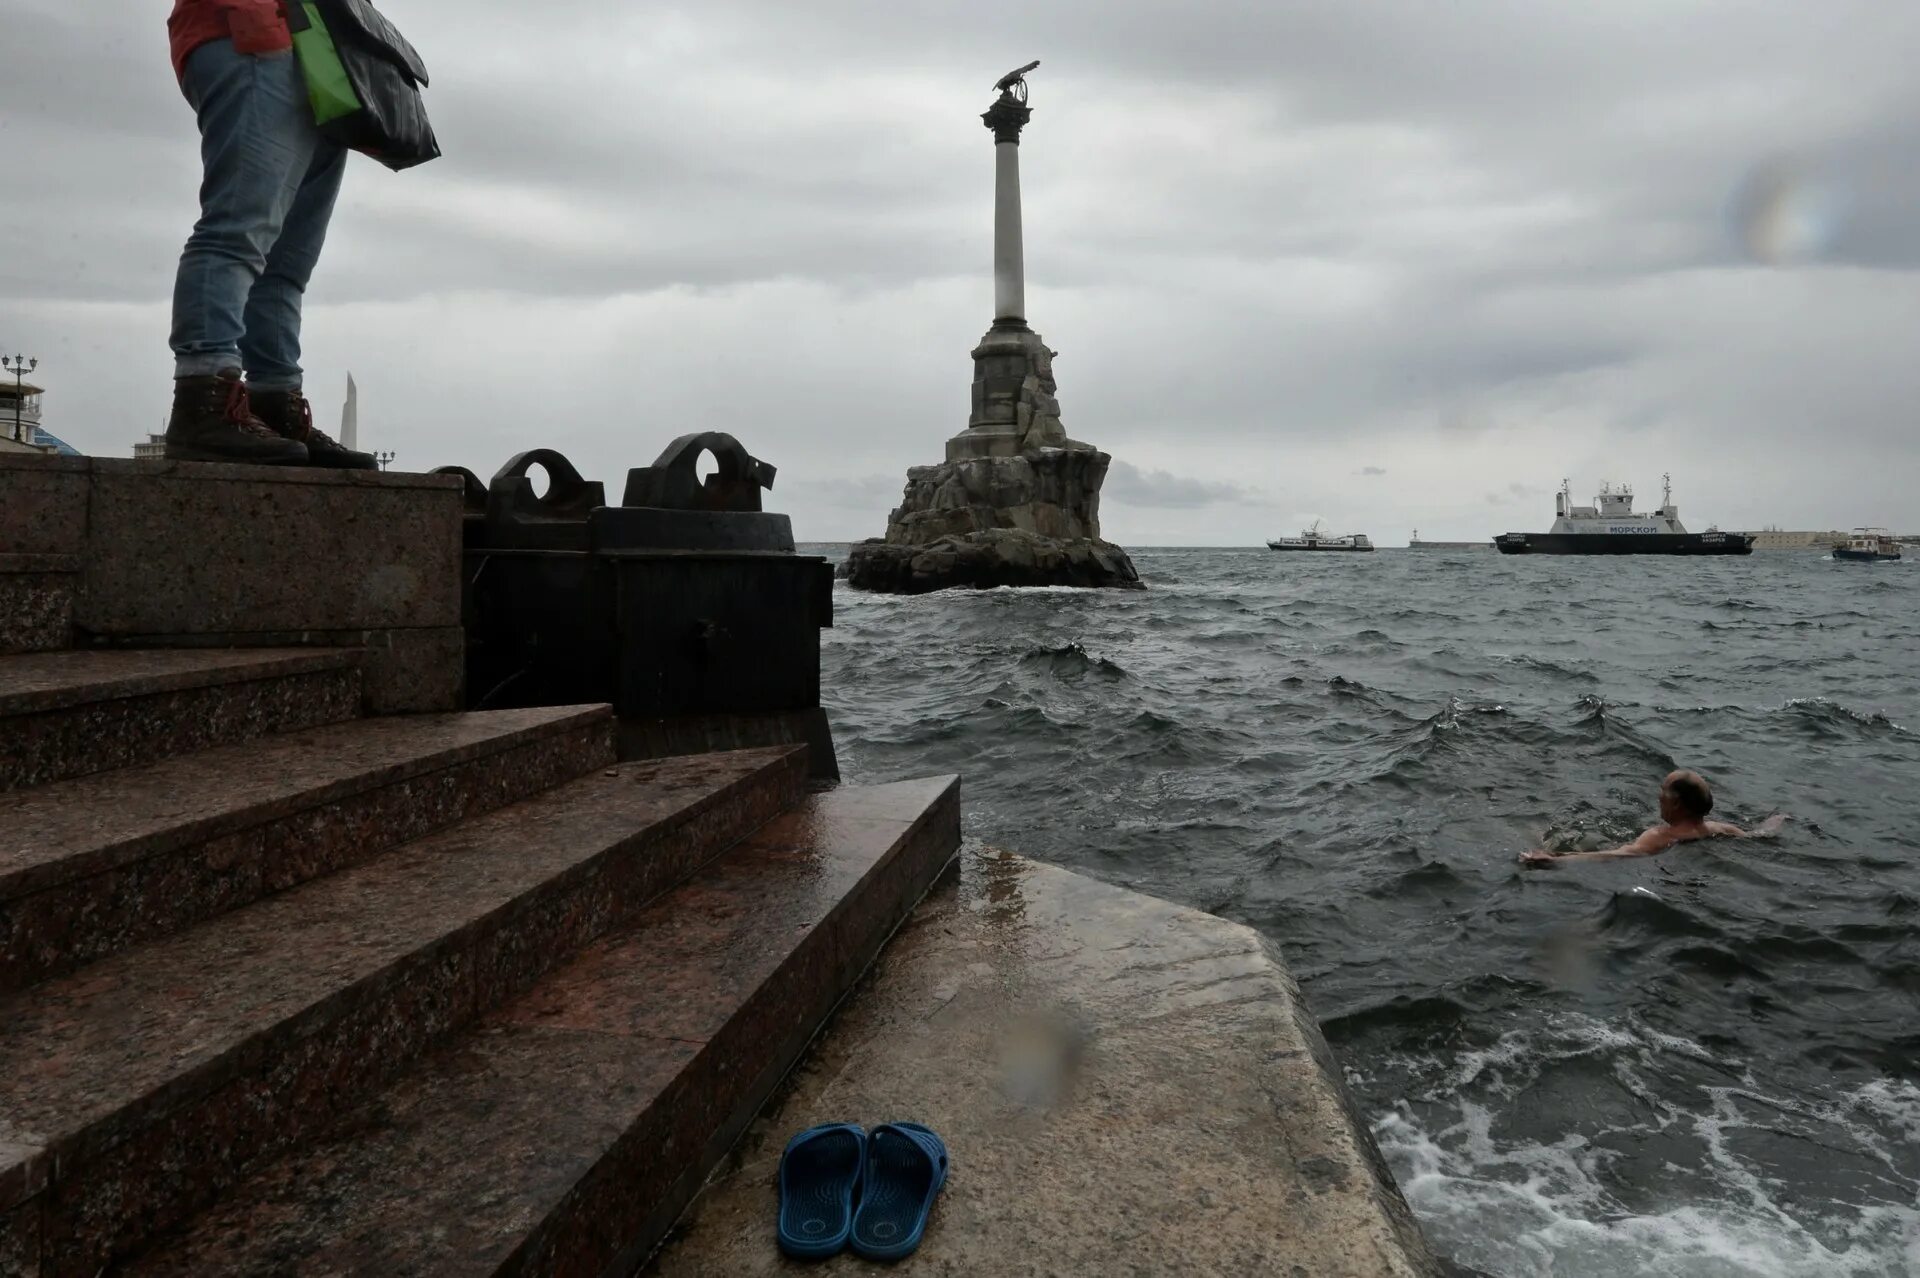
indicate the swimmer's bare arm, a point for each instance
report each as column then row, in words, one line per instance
column 1657, row 839
column 1725, row 830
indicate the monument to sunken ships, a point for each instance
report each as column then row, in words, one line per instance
column 1016, row 502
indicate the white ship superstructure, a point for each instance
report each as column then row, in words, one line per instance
column 1613, row 512
column 1869, row 545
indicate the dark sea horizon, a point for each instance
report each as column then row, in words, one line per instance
column 1702, row 1063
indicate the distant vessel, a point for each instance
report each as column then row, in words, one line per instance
column 1414, row 543
column 1314, row 539
column 1610, row 527
column 1868, row 545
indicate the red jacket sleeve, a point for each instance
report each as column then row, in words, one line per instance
column 257, row 26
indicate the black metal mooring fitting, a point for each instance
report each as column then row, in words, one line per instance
column 568, row 496
column 673, row 482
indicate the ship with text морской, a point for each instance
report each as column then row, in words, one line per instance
column 1016, row 502
column 1611, row 527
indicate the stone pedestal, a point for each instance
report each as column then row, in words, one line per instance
column 1016, row 503
column 109, row 552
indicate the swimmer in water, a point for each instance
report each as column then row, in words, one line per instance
column 1685, row 800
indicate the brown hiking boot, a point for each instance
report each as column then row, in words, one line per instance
column 288, row 415
column 211, row 423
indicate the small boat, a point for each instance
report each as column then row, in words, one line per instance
column 1314, row 539
column 1868, row 545
column 1611, row 526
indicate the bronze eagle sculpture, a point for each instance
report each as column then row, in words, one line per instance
column 1007, row 82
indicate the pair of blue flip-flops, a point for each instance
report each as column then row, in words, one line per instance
column 872, row 1191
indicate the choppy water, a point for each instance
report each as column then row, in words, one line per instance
column 1705, row 1063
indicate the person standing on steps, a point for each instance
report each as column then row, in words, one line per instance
column 266, row 196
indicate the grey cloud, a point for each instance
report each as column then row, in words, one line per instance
column 867, row 493
column 1130, row 484
column 1490, row 241
column 1371, row 470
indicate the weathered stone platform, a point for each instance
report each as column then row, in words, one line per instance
column 1126, row 1087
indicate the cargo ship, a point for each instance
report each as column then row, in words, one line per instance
column 1611, row 527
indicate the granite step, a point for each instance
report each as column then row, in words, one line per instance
column 566, row 1131
column 68, row 714
column 91, row 865
column 134, row 1090
column 36, row 601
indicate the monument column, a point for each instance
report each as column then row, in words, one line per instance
column 1016, row 502
column 1006, row 117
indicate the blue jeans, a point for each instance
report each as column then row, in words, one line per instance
column 265, row 201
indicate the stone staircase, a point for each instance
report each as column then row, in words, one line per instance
column 285, row 989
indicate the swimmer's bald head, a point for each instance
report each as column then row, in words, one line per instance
column 1685, row 796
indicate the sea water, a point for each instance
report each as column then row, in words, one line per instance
column 1703, row 1063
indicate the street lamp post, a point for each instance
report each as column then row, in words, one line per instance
column 21, row 366
column 383, row 459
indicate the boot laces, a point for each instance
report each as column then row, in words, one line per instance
column 308, row 434
column 239, row 411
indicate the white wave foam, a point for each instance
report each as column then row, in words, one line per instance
column 1512, row 1205
column 1532, row 1209
column 1868, row 718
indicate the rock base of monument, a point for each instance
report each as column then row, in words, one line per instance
column 990, row 558
column 1016, row 502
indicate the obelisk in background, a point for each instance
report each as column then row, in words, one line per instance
column 350, row 416
column 1016, row 503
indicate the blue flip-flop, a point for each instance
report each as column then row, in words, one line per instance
column 906, row 1165
column 819, row 1175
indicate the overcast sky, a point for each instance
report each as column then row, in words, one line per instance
column 1398, row 265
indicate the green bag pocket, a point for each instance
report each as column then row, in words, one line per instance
column 329, row 89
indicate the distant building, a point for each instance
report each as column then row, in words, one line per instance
column 1415, row 543
column 1783, row 539
column 20, row 416
column 153, row 448
column 46, row 439
column 20, row 428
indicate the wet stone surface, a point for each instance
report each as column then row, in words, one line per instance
column 58, row 720
column 93, row 864
column 564, row 1132
column 1126, row 1087
column 153, row 1078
